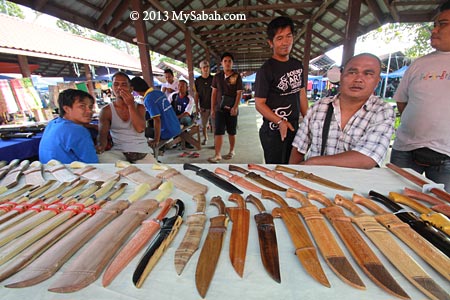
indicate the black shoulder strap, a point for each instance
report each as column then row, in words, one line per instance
column 326, row 127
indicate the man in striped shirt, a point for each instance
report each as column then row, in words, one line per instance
column 360, row 127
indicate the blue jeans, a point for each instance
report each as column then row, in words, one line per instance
column 439, row 174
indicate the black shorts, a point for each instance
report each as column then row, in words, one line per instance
column 223, row 120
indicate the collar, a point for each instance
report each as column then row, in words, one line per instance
column 148, row 91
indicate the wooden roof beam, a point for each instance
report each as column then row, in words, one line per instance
column 375, row 9
column 247, row 21
column 117, row 15
column 106, row 13
column 392, row 10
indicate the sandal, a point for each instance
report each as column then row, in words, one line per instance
column 194, row 155
column 214, row 160
column 229, row 155
column 205, row 141
column 184, row 154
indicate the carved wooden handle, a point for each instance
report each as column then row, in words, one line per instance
column 368, row 203
column 421, row 196
column 223, row 172
column 218, row 202
column 272, row 196
column 352, row 207
column 286, row 169
column 200, row 199
column 291, row 193
column 238, row 199
column 320, row 198
column 399, row 198
column 256, row 202
column 258, row 167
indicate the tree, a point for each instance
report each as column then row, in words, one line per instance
column 11, row 9
column 417, row 34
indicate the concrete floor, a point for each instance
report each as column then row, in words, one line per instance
column 248, row 148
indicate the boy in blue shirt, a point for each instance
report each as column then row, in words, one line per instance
column 65, row 138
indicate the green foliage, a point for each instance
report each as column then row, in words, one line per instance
column 11, row 9
column 72, row 28
column 417, row 33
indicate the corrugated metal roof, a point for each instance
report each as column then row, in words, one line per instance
column 246, row 39
column 20, row 37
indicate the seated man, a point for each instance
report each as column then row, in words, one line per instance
column 165, row 122
column 65, row 138
column 182, row 103
column 124, row 120
column 360, row 128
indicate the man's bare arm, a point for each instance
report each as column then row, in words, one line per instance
column 104, row 124
column 348, row 159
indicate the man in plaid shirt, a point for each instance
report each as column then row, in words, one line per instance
column 361, row 124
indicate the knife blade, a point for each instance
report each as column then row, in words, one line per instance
column 268, row 245
column 242, row 182
column 213, row 178
column 393, row 252
column 431, row 234
column 403, row 231
column 304, row 247
column 438, row 220
column 257, row 178
column 313, row 178
column 159, row 244
column 358, row 248
column 330, row 249
column 189, row 244
column 240, row 217
column 282, row 178
column 209, row 256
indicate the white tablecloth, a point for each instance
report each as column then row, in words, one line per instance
column 164, row 283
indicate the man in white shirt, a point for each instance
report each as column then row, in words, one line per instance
column 423, row 139
column 171, row 84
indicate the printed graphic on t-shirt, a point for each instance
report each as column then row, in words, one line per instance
column 433, row 75
column 290, row 82
column 282, row 112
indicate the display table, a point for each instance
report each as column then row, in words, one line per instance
column 164, row 283
column 21, row 148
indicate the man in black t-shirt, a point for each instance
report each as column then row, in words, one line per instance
column 203, row 97
column 225, row 97
column 280, row 94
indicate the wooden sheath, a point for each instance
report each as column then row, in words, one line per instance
column 6, row 167
column 33, row 175
column 88, row 265
column 438, row 205
column 189, row 244
column 60, row 172
column 12, row 178
column 239, row 180
column 325, row 241
column 183, row 183
column 403, row 231
column 138, row 176
column 410, row 269
column 93, row 173
column 51, row 261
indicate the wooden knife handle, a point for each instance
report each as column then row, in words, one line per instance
column 352, row 207
column 258, row 167
column 238, row 199
column 399, row 198
column 252, row 199
column 200, row 199
column 272, row 196
column 368, row 203
column 291, row 193
column 223, row 172
column 166, row 205
column 422, row 196
column 237, row 169
column 286, row 169
column 218, row 202
column 320, row 198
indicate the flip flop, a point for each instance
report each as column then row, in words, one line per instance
column 214, row 160
column 184, row 154
column 229, row 155
column 195, row 155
